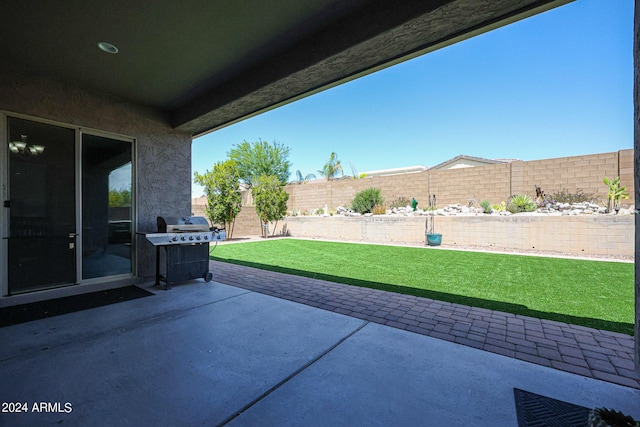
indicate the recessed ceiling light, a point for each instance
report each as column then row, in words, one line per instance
column 107, row 47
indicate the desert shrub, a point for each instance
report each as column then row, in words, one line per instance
column 486, row 206
column 521, row 203
column 400, row 202
column 564, row 196
column 364, row 201
column 379, row 210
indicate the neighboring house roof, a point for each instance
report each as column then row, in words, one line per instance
column 508, row 160
column 396, row 171
column 464, row 161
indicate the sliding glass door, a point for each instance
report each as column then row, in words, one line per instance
column 69, row 207
column 42, row 210
column 106, row 207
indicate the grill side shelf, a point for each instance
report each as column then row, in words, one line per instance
column 187, row 255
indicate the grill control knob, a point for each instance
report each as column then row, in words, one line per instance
column 190, row 237
column 197, row 237
column 182, row 238
column 174, row 238
column 206, row 237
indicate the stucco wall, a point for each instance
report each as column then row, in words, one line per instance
column 163, row 156
column 636, row 157
column 592, row 235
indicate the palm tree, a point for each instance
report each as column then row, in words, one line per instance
column 331, row 168
column 301, row 179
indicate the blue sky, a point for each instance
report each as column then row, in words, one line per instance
column 557, row 84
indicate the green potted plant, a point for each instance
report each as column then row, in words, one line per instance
column 615, row 193
column 433, row 238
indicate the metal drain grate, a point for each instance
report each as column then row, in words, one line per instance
column 534, row 410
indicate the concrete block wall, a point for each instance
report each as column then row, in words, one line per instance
column 625, row 171
column 246, row 224
column 412, row 185
column 465, row 185
column 495, row 183
column 315, row 194
column 308, row 195
column 374, row 229
column 591, row 235
column 567, row 173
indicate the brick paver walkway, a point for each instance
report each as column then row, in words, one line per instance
column 585, row 351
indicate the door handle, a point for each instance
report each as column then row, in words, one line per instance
column 72, row 242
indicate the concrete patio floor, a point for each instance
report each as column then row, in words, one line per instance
column 581, row 350
column 212, row 354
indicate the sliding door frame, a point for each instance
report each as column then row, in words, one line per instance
column 4, row 193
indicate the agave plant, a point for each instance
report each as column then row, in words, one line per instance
column 521, row 203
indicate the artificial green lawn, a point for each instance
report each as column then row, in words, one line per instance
column 589, row 293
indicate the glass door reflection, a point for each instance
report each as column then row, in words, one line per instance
column 42, row 218
column 106, row 207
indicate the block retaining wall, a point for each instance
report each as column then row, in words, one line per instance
column 592, row 235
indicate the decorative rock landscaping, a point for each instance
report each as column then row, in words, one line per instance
column 556, row 209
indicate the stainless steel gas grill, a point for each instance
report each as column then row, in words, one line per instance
column 186, row 243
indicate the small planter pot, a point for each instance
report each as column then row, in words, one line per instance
column 434, row 239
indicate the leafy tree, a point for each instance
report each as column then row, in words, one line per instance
column 301, row 179
column 222, row 188
column 119, row 198
column 270, row 199
column 331, row 169
column 261, row 158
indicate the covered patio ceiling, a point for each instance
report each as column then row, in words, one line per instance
column 207, row 64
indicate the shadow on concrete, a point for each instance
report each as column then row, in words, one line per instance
column 14, row 315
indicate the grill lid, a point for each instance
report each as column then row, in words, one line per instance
column 182, row 224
